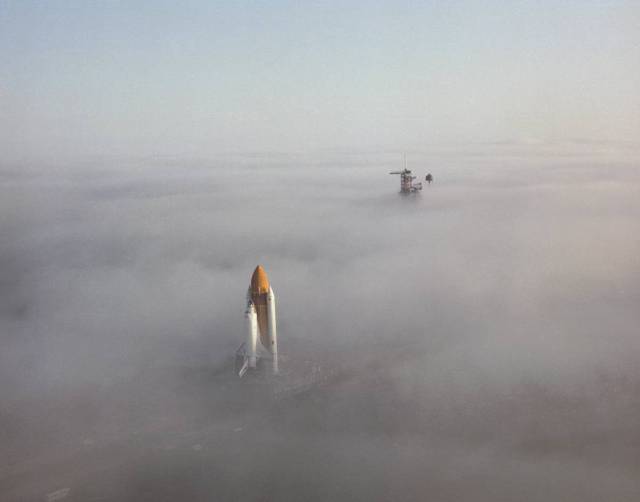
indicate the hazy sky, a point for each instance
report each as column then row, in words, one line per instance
column 201, row 77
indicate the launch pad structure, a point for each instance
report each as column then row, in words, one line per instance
column 407, row 186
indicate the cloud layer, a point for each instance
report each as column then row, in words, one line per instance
column 486, row 331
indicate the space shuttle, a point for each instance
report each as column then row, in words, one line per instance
column 260, row 321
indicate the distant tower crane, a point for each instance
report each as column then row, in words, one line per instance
column 406, row 180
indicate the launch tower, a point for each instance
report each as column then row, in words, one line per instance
column 406, row 180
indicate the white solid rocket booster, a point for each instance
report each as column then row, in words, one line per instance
column 252, row 333
column 272, row 328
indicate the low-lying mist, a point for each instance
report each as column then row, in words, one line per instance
column 481, row 337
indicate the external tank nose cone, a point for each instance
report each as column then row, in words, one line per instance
column 259, row 281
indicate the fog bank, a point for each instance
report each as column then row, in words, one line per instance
column 481, row 337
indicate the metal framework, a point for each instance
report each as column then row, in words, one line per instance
column 407, row 185
column 406, row 182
